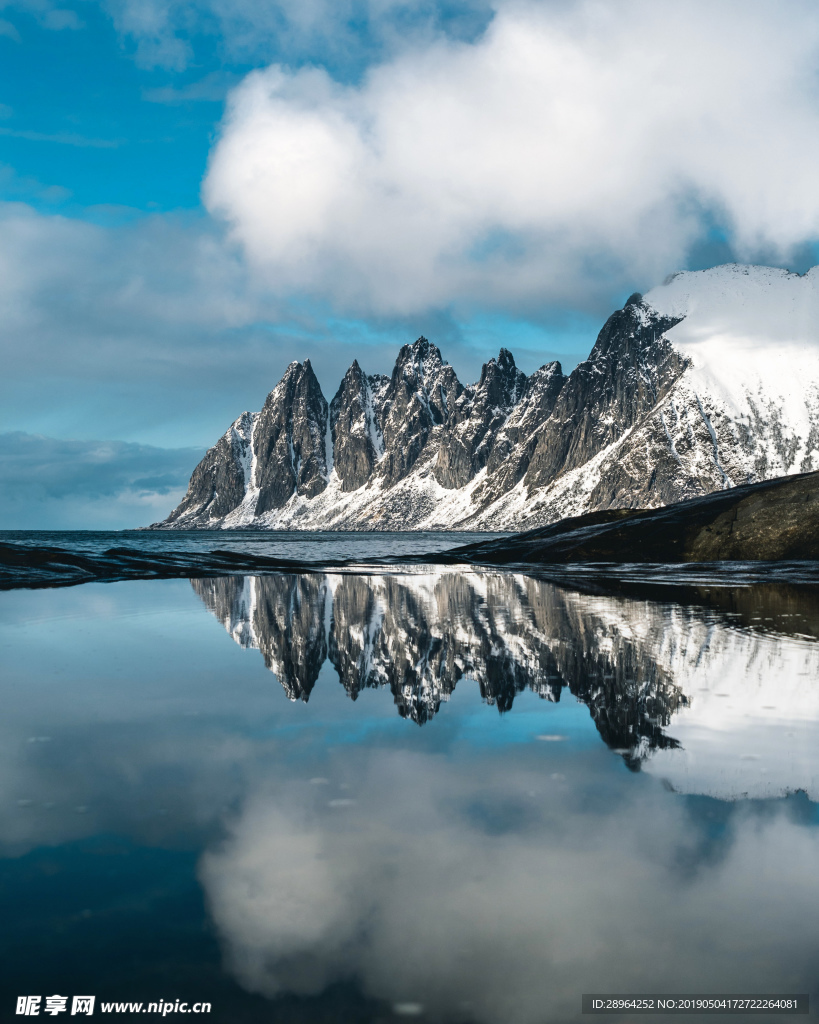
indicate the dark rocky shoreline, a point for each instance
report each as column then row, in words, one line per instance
column 769, row 521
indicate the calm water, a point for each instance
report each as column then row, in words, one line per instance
column 298, row 546
column 443, row 796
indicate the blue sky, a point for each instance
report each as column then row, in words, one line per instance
column 192, row 194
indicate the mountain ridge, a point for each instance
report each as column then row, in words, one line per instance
column 687, row 390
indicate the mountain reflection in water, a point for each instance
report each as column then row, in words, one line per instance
column 717, row 693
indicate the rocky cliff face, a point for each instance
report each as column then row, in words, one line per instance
column 356, row 416
column 291, row 441
column 418, row 401
column 631, row 368
column 471, row 429
column 221, row 480
column 707, row 382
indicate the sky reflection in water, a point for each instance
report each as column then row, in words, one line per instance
column 624, row 825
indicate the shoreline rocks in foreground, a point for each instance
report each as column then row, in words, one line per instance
column 775, row 520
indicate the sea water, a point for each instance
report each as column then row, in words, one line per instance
column 448, row 795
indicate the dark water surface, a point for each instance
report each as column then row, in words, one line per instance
column 298, row 546
column 442, row 795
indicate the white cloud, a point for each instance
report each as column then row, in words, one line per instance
column 570, row 143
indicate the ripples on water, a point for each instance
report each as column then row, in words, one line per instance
column 610, row 789
column 299, row 546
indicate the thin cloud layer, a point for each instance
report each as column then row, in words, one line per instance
column 345, row 33
column 569, row 143
column 50, row 483
column 144, row 329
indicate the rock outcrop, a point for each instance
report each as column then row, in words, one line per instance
column 776, row 520
column 291, row 441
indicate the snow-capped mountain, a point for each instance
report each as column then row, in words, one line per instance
column 719, row 700
column 708, row 381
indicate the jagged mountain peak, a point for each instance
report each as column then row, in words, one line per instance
column 707, row 381
column 421, row 347
column 631, row 334
column 420, row 362
column 304, row 369
column 296, row 375
column 291, row 452
column 505, row 363
column 502, row 379
column 244, row 423
column 505, row 357
column 352, row 377
column 552, row 367
column 356, row 414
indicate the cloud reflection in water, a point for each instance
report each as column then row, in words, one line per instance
column 485, row 890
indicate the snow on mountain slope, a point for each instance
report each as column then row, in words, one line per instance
column 752, row 336
column 709, row 381
column 745, row 406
